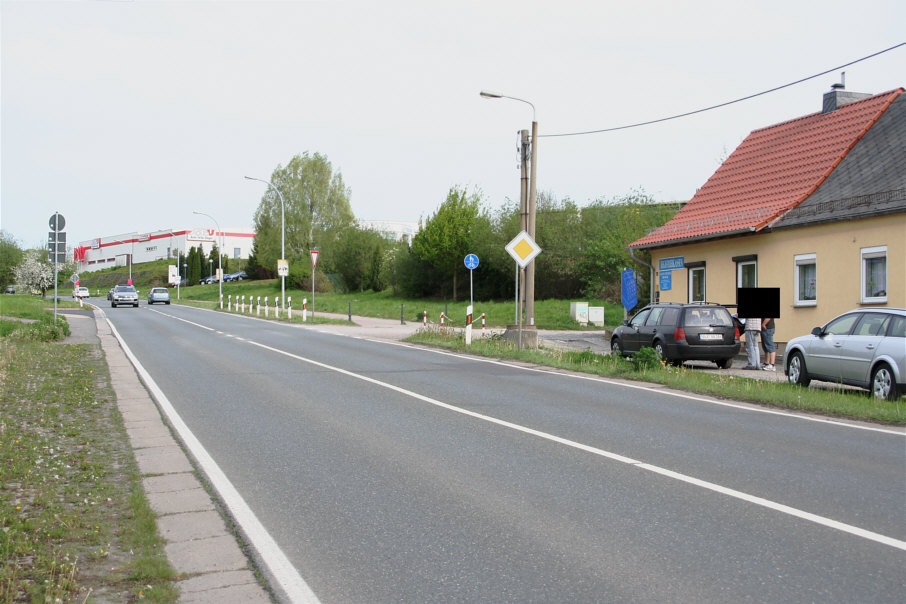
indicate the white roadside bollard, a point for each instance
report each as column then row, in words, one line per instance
column 442, row 317
column 304, row 310
column 425, row 320
column 221, row 301
column 266, row 307
column 277, row 304
column 483, row 334
column 230, row 302
column 259, row 306
column 469, row 325
column 242, row 306
column 289, row 308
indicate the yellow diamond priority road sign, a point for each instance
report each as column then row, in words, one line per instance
column 523, row 249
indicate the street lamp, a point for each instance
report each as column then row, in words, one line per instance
column 282, row 237
column 185, row 267
column 529, row 208
column 219, row 255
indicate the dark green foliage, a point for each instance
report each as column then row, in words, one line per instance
column 10, row 257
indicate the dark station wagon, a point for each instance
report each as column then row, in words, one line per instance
column 697, row 331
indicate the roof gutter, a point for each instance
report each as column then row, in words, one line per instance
column 695, row 239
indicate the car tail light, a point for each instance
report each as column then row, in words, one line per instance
column 679, row 334
column 736, row 335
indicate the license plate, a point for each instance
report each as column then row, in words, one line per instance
column 711, row 336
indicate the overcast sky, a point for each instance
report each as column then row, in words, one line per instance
column 126, row 116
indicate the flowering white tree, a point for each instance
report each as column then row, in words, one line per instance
column 35, row 272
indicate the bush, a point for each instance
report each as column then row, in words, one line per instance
column 647, row 358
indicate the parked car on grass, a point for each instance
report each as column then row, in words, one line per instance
column 238, row 276
column 865, row 347
column 159, row 294
column 124, row 294
column 697, row 331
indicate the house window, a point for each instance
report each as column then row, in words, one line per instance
column 236, row 252
column 806, row 277
column 746, row 270
column 874, row 274
column 696, row 281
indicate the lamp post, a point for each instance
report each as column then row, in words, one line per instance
column 529, row 206
column 131, row 253
column 219, row 256
column 282, row 236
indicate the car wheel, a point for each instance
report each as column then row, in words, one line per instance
column 615, row 348
column 724, row 363
column 113, row 304
column 796, row 371
column 135, row 305
column 661, row 351
column 883, row 385
column 168, row 301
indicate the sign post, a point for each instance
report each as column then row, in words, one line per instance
column 56, row 246
column 314, row 264
column 523, row 250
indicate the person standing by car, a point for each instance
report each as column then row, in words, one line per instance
column 767, row 343
column 753, row 328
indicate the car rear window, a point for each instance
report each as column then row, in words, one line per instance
column 872, row 324
column 702, row 317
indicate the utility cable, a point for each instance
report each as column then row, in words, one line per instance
column 739, row 100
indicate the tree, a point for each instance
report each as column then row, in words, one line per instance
column 10, row 258
column 316, row 211
column 359, row 259
column 35, row 272
column 444, row 240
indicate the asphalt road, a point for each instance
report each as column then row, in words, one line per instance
column 389, row 473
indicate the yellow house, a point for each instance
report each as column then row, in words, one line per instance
column 815, row 206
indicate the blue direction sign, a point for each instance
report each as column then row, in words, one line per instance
column 629, row 294
column 471, row 262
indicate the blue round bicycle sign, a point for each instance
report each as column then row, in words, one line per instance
column 471, row 262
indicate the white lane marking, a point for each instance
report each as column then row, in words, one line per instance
column 778, row 507
column 270, row 553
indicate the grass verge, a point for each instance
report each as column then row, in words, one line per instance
column 75, row 522
column 832, row 403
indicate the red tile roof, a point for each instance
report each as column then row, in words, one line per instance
column 772, row 171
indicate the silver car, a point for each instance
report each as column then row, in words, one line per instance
column 159, row 294
column 864, row 347
column 124, row 294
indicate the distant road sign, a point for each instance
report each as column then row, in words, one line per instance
column 57, row 222
column 471, row 262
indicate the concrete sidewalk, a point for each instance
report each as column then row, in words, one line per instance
column 200, row 547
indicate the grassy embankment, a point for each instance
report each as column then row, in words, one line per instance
column 76, row 525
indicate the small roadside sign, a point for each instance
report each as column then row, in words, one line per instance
column 282, row 267
column 523, row 249
column 471, row 262
column 314, row 258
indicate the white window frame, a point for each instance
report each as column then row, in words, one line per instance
column 869, row 253
column 739, row 267
column 692, row 272
column 798, row 261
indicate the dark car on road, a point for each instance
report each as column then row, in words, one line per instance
column 697, row 331
column 865, row 347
